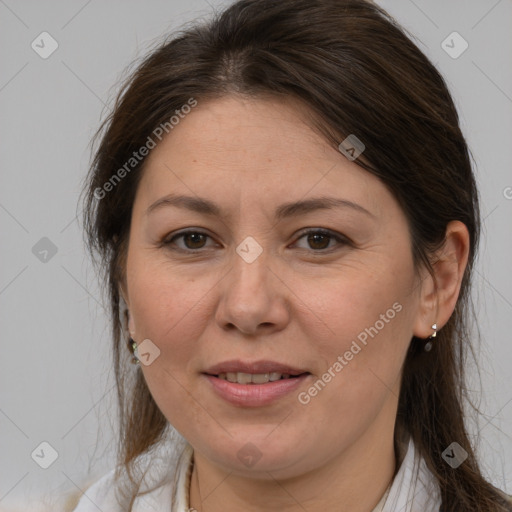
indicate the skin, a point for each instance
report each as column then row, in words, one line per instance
column 301, row 302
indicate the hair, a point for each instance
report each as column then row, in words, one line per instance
column 357, row 72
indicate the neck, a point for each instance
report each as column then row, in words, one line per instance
column 351, row 481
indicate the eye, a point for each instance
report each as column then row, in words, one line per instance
column 192, row 240
column 320, row 239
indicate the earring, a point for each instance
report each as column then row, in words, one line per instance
column 133, row 344
column 429, row 344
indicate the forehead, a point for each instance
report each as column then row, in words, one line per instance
column 253, row 149
column 234, row 127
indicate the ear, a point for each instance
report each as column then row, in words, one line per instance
column 440, row 291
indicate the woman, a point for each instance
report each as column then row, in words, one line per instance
column 284, row 207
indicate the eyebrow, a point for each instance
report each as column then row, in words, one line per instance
column 286, row 210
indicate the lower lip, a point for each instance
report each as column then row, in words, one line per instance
column 255, row 395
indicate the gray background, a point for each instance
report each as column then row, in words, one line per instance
column 55, row 377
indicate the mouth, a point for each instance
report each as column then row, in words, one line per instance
column 254, row 384
column 256, row 372
column 255, row 378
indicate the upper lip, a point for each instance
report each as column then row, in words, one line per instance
column 255, row 367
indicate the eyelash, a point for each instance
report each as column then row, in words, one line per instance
column 341, row 240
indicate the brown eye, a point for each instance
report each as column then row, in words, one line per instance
column 320, row 240
column 317, row 240
column 191, row 240
column 194, row 240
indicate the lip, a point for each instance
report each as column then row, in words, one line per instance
column 264, row 366
column 254, row 395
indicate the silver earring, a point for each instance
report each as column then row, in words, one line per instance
column 133, row 345
column 429, row 344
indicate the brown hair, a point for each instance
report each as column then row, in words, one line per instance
column 358, row 72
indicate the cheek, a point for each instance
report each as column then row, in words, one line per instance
column 362, row 303
column 369, row 318
column 169, row 310
column 164, row 303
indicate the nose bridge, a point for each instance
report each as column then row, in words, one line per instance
column 250, row 267
column 250, row 295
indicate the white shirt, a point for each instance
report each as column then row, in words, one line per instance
column 413, row 489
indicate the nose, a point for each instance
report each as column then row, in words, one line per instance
column 253, row 299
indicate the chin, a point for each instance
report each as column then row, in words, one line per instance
column 256, row 456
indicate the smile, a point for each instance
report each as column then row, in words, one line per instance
column 259, row 391
column 257, row 378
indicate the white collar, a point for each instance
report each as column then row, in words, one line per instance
column 414, row 488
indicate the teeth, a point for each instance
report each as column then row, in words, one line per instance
column 244, row 378
column 257, row 378
column 260, row 378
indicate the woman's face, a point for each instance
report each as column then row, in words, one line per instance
column 298, row 258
